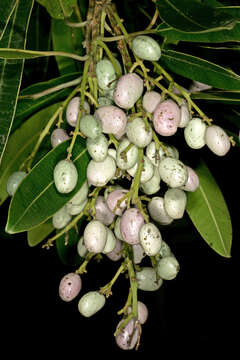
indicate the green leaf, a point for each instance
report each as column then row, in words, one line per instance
column 193, row 16
column 56, row 10
column 27, row 106
column 11, row 71
column 209, row 213
column 218, row 97
column 5, row 14
column 199, row 69
column 20, row 145
column 37, row 198
column 39, row 233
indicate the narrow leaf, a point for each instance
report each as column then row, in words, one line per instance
column 201, row 70
column 218, row 97
column 209, row 213
column 56, row 10
column 11, row 71
column 39, row 233
column 193, row 16
column 20, row 145
column 37, row 198
column 5, row 14
column 14, row 53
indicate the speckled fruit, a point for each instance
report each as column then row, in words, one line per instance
column 166, row 118
column 175, row 201
column 157, row 211
column 131, row 222
column 103, row 213
column 128, row 335
column 58, row 136
column 14, row 180
column 152, row 186
column 90, row 126
column 168, row 268
column 147, row 170
column 106, row 75
column 128, row 90
column 147, row 279
column 98, row 148
column 91, row 303
column 112, row 201
column 73, row 110
column 194, row 133
column 217, row 140
column 146, row 48
column 113, row 120
column 173, row 172
column 95, row 236
column 126, row 160
column 70, row 286
column 150, row 239
column 151, row 99
column 100, row 173
column 61, row 218
column 65, row 176
column 137, row 132
column 165, row 250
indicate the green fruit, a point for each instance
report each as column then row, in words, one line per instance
column 194, row 133
column 168, row 268
column 173, row 172
column 14, row 180
column 146, row 48
column 90, row 303
column 147, row 279
column 61, row 218
column 65, row 176
column 106, row 75
column 90, row 126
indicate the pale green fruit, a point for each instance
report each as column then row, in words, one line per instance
column 147, row 279
column 95, row 236
column 128, row 90
column 100, row 173
column 194, row 133
column 76, row 209
column 14, row 180
column 157, row 211
column 152, row 186
column 152, row 154
column 130, row 158
column 147, row 170
column 81, row 248
column 61, row 218
column 173, row 172
column 117, row 230
column 106, row 75
column 98, row 148
column 73, row 110
column 146, row 48
column 110, row 243
column 168, row 268
column 165, row 250
column 151, row 99
column 103, row 100
column 91, row 303
column 150, row 239
column 185, row 115
column 175, row 201
column 138, row 134
column 90, row 126
column 217, row 140
column 81, row 195
column 65, row 176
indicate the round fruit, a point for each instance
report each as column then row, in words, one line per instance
column 152, row 186
column 173, row 172
column 65, row 176
column 150, row 239
column 58, row 136
column 81, row 248
column 146, row 48
column 147, row 279
column 157, row 211
column 192, row 181
column 116, row 254
column 217, row 140
column 151, row 99
column 137, row 133
column 90, row 126
column 81, row 195
column 194, row 133
column 14, row 180
column 76, row 209
column 95, row 236
column 112, row 201
column 103, row 213
column 106, row 75
column 113, row 120
column 185, row 115
column 98, row 148
column 168, row 268
column 128, row 90
column 90, row 303
column 110, row 243
column 100, row 173
column 128, row 336
column 61, row 218
column 73, row 110
column 131, row 222
column 70, row 286
column 166, row 118
column 175, row 201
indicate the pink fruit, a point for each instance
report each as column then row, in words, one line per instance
column 113, row 199
column 70, row 286
column 166, row 118
column 131, row 222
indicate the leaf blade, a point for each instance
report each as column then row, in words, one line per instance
column 39, row 233
column 5, row 14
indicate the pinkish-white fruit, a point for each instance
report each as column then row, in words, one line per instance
column 166, row 118
column 113, row 120
column 150, row 101
column 112, row 201
column 128, row 90
column 130, row 225
column 70, row 286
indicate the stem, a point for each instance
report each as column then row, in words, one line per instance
column 111, row 57
column 153, row 21
column 76, row 24
column 121, row 37
column 82, row 268
column 107, row 289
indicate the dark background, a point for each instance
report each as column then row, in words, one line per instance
column 195, row 312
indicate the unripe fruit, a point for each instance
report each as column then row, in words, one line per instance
column 168, row 268
column 217, row 140
column 142, row 312
column 81, row 248
column 194, row 133
column 151, row 99
column 128, row 90
column 146, row 48
column 185, row 115
column 150, row 239
column 61, row 218
column 73, row 110
column 100, row 173
column 58, row 136
column 103, row 213
column 95, row 236
column 98, row 148
column 65, row 176
column 138, row 253
column 128, row 336
column 166, row 118
column 112, row 201
column 192, row 181
column 91, row 303
column 117, row 229
column 14, row 181
column 175, row 201
column 173, row 172
column 81, row 195
column 110, row 243
column 131, row 222
column 113, row 120
column 70, row 286
column 197, row 86
column 128, row 159
column 147, row 279
column 152, row 154
column 116, row 254
column 90, row 126
column 147, row 170
column 152, row 186
column 76, row 209
column 165, row 250
column 103, row 100
column 157, row 211
column 106, row 75
column 138, row 134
